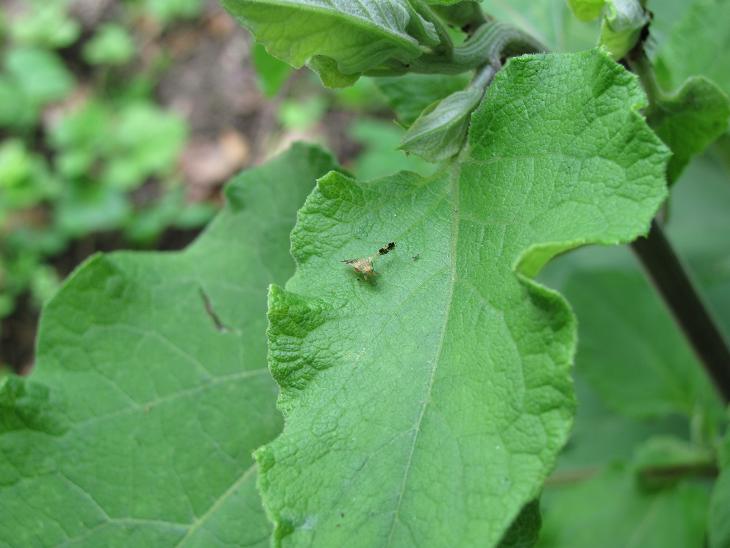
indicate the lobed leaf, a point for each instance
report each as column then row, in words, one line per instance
column 427, row 404
column 151, row 391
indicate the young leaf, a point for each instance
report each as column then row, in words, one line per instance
column 440, row 132
column 426, row 404
column 339, row 39
column 151, row 391
column 410, row 94
column 622, row 24
column 690, row 120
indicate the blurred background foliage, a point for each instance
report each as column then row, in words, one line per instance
column 120, row 120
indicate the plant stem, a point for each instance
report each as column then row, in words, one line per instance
column 674, row 284
column 666, row 270
column 484, row 77
column 640, row 64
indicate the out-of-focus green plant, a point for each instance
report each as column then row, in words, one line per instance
column 77, row 147
column 111, row 45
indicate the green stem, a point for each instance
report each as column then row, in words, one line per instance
column 640, row 64
column 669, row 275
column 484, row 77
column 491, row 43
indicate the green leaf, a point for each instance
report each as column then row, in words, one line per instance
column 623, row 21
column 627, row 330
column 409, row 95
column 550, row 21
column 40, row 75
column 146, row 141
column 151, row 391
column 427, row 404
column 111, row 45
column 601, row 437
column 587, row 10
column 440, row 132
column 525, row 530
column 380, row 155
column 271, row 72
column 460, row 13
column 697, row 45
column 17, row 110
column 45, row 24
column 719, row 519
column 611, row 510
column 339, row 39
column 168, row 11
column 689, row 121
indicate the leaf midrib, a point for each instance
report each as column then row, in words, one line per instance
column 454, row 204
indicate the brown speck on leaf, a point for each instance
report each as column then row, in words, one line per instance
column 387, row 248
column 364, row 266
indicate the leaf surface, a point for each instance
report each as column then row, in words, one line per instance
column 410, row 94
column 690, row 120
column 427, row 404
column 339, row 39
column 151, row 390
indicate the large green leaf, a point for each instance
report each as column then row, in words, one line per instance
column 339, row 39
column 151, row 390
column 425, row 406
